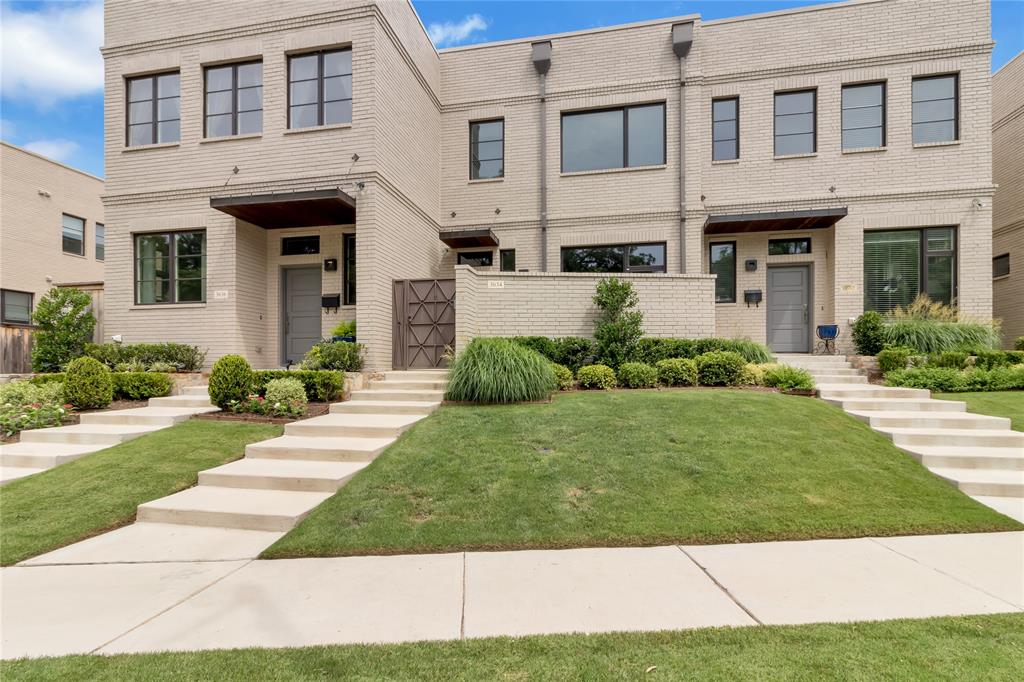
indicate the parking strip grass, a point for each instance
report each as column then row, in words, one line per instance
column 634, row 468
column 994, row 403
column 101, row 491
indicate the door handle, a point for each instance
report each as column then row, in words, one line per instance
column 805, row 312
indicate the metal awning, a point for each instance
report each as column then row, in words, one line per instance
column 464, row 239
column 313, row 208
column 812, row 219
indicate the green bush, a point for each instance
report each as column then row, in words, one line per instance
column 930, row 336
column 989, row 359
column 563, row 377
column 347, row 328
column 786, row 378
column 542, row 344
column 20, row 393
column 653, row 350
column 867, row 333
column 595, row 377
column 162, row 367
column 949, row 380
column 230, row 379
column 720, row 368
column 574, row 351
column 286, row 391
column 141, row 385
column 952, row 358
column 497, row 370
column 183, row 357
column 619, row 325
column 892, row 358
column 637, row 375
column 677, row 372
column 64, row 324
column 320, row 385
column 338, row 356
column 1019, row 343
column 752, row 375
column 129, row 366
column 87, row 384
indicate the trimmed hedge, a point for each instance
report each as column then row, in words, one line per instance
column 677, row 372
column 637, row 375
column 563, row 377
column 720, row 368
column 949, row 380
column 230, row 379
column 786, row 378
column 87, row 384
column 183, row 357
column 141, row 385
column 596, row 377
column 320, row 385
column 894, row 357
column 575, row 352
column 339, row 356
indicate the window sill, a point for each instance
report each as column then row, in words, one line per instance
column 864, row 150
column 316, row 129
column 948, row 143
column 228, row 138
column 725, row 162
column 725, row 302
column 1001, row 277
column 484, row 181
column 783, row 157
column 146, row 147
column 73, row 255
column 165, row 306
column 603, row 171
column 20, row 325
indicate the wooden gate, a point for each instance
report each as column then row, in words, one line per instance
column 424, row 322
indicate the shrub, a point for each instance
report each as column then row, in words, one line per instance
column 637, row 375
column 1019, row 343
column 928, row 336
column 19, row 393
column 183, row 357
column 1015, row 357
column 719, row 368
column 347, row 328
column 497, row 370
column 867, row 333
column 542, row 344
column 942, row 379
column 786, row 378
column 287, row 391
column 574, row 351
column 892, row 358
column 17, row 418
column 141, row 385
column 339, row 356
column 164, row 367
column 87, row 384
column 230, row 379
column 752, row 375
column 619, row 325
column 596, row 377
column 64, row 324
column 257, row 404
column 323, row 386
column 563, row 377
column 130, row 366
column 951, row 358
column 677, row 372
column 989, row 359
column 653, row 350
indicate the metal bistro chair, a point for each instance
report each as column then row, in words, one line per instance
column 826, row 334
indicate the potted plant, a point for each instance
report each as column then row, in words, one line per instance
column 345, row 331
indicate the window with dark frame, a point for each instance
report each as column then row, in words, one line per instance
column 624, row 137
column 478, row 259
column 320, row 88
column 614, row 258
column 1001, row 265
column 789, row 246
column 101, row 241
column 863, row 116
column 170, row 267
column 935, row 104
column 300, row 246
column 725, row 129
column 722, row 262
column 15, row 306
column 899, row 265
column 348, row 257
column 154, row 109
column 796, row 122
column 507, row 258
column 72, row 234
column 234, row 99
column 487, row 149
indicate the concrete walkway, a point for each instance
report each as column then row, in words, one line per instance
column 124, row 607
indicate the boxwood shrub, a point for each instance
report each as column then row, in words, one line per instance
column 596, row 377
column 894, row 357
column 340, row 356
column 230, row 379
column 498, row 370
column 637, row 375
column 574, row 351
column 286, row 390
column 867, row 333
column 677, row 372
column 720, row 368
column 141, row 385
column 87, row 384
column 322, row 386
column 563, row 377
column 752, row 375
column 184, row 357
column 949, row 380
column 1019, row 343
column 786, row 378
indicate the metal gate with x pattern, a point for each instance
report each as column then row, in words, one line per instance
column 424, row 322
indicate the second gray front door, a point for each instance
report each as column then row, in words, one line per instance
column 789, row 310
column 301, row 311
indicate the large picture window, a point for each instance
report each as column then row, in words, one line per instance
column 15, row 307
column 486, row 149
column 935, row 109
column 725, row 129
column 613, row 138
column 796, row 130
column 72, row 234
column 170, row 267
column 234, row 99
column 899, row 265
column 320, row 89
column 722, row 262
column 863, row 116
column 349, row 258
column 154, row 109
column 614, row 258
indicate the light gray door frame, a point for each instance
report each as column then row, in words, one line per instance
column 789, row 308
column 300, row 311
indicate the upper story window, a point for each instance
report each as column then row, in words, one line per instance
column 613, row 138
column 320, row 88
column 936, row 109
column 487, row 149
column 725, row 129
column 1001, row 265
column 101, row 241
column 617, row 258
column 154, row 109
column 864, row 116
column 15, row 307
column 170, row 267
column 72, row 234
column 796, row 126
column 234, row 99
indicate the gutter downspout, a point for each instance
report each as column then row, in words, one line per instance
column 541, row 57
column 682, row 40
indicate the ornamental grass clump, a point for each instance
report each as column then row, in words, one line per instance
column 933, row 327
column 497, row 370
column 637, row 375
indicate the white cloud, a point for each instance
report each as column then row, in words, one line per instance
column 52, row 54
column 56, row 149
column 450, row 33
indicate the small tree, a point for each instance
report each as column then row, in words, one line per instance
column 64, row 324
column 619, row 326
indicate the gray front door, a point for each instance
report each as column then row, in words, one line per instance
column 301, row 312
column 789, row 309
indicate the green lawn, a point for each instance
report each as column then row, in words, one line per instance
column 101, row 491
column 962, row 648
column 629, row 468
column 995, row 403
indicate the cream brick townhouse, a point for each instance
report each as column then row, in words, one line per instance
column 274, row 168
column 1008, row 205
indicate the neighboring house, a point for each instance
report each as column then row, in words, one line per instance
column 1008, row 205
column 51, row 234
column 272, row 172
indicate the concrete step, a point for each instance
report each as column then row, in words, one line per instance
column 897, row 404
column 840, row 379
column 98, row 434
column 966, row 457
column 368, row 425
column 848, row 391
column 384, row 407
column 321, row 449
column 375, row 392
column 154, row 416
column 181, row 401
column 408, row 385
column 282, row 474
column 416, row 375
column 196, row 390
column 994, row 482
column 42, row 455
column 243, row 508
column 1010, row 506
column 834, row 371
column 954, row 437
column 11, row 473
column 931, row 420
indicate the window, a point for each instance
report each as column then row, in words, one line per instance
column 616, row 258
column 796, row 122
column 725, row 129
column 613, row 138
column 72, row 234
column 170, row 267
column 15, row 307
column 723, row 263
column 320, row 89
column 863, row 116
column 901, row 264
column 477, row 259
column 101, row 241
column 154, row 109
column 487, row 149
column 936, row 109
column 300, row 246
column 349, row 258
column 508, row 260
column 1001, row 265
column 234, row 99
column 789, row 247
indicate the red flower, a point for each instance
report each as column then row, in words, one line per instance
column 260, row 398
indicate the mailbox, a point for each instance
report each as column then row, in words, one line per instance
column 752, row 296
column 330, row 301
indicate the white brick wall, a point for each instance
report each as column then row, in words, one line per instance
column 1008, row 203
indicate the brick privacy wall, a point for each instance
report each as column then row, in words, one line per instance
column 561, row 304
column 1008, row 203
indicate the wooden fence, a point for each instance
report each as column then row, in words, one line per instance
column 15, row 350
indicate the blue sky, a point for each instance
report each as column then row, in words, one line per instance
column 51, row 86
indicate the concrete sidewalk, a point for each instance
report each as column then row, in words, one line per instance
column 140, row 607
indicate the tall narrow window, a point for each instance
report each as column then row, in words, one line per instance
column 1001, row 265
column 154, row 109
column 101, row 241
column 613, row 138
column 15, row 307
column 349, row 258
column 320, row 89
column 864, row 116
column 72, row 234
column 170, row 267
column 508, row 260
column 234, row 99
column 899, row 265
column 725, row 129
column 487, row 149
column 796, row 122
column 723, row 263
column 936, row 109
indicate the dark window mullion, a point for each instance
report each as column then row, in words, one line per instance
column 234, row 99
column 625, row 138
column 155, row 123
column 321, row 103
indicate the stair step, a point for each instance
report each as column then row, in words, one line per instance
column 407, row 385
column 834, row 371
column 897, row 404
column 416, row 375
column 321, row 449
column 181, row 401
column 377, row 393
column 99, row 434
column 196, row 390
column 281, row 474
column 155, row 416
column 249, row 509
column 966, row 457
column 840, row 379
column 384, row 407
column 932, row 420
column 847, row 391
column 13, row 473
column 45, row 455
column 993, row 482
column 954, row 437
column 369, row 425
column 1010, row 506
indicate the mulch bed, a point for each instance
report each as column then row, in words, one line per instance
column 312, row 410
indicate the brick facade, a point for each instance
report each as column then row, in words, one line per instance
column 1008, row 204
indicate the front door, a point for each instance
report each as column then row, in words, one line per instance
column 789, row 309
column 301, row 312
